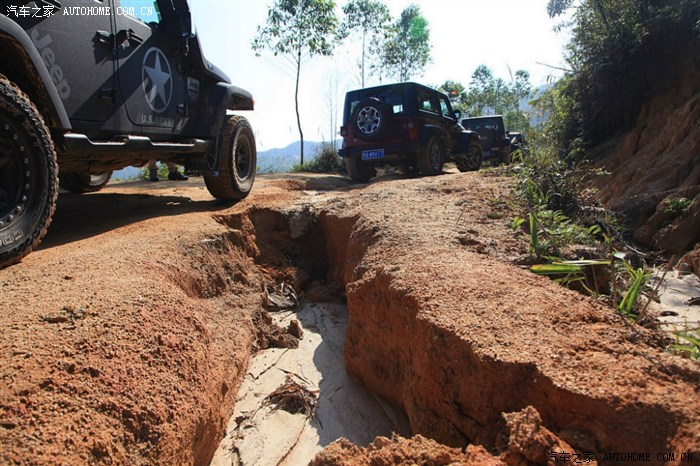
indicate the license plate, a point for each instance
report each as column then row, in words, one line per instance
column 372, row 154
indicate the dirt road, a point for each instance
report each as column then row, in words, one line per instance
column 126, row 336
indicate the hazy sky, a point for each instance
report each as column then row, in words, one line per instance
column 463, row 34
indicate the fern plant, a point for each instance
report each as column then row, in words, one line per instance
column 638, row 279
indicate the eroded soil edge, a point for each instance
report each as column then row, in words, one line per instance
column 446, row 336
column 137, row 360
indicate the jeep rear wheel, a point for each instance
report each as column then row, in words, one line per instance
column 83, row 182
column 237, row 161
column 359, row 171
column 473, row 158
column 430, row 160
column 28, row 175
column 370, row 119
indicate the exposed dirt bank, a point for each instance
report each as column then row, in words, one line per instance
column 658, row 162
column 442, row 325
column 528, row 443
column 126, row 336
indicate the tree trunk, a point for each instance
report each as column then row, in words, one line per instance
column 296, row 105
column 362, row 66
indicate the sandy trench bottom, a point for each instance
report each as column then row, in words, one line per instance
column 258, row 434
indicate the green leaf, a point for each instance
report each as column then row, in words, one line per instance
column 585, row 262
column 554, row 269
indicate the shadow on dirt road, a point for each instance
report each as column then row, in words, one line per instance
column 80, row 216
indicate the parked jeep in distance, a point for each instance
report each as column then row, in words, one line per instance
column 407, row 125
column 517, row 142
column 90, row 87
column 493, row 138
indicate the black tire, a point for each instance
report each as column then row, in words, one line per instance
column 370, row 119
column 431, row 158
column 237, row 161
column 28, row 175
column 472, row 160
column 83, row 182
column 359, row 171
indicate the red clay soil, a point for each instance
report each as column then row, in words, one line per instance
column 125, row 336
column 442, row 324
column 529, row 443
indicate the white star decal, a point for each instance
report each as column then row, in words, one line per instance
column 158, row 80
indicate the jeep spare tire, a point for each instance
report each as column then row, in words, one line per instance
column 28, row 175
column 237, row 161
column 76, row 182
column 370, row 119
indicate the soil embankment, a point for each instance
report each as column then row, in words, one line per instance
column 127, row 335
column 657, row 163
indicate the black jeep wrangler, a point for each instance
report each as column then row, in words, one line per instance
column 494, row 139
column 87, row 87
column 406, row 124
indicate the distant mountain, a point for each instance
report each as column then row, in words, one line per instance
column 127, row 173
column 283, row 159
column 278, row 160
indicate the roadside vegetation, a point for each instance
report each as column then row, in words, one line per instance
column 573, row 240
column 582, row 246
column 325, row 160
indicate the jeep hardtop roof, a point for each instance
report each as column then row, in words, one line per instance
column 491, row 119
column 389, row 93
column 381, row 88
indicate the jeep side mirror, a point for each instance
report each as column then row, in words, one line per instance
column 457, row 114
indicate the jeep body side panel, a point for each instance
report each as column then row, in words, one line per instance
column 428, row 130
column 16, row 43
column 160, row 95
column 79, row 62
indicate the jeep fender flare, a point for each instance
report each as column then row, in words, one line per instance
column 12, row 36
column 213, row 113
column 239, row 99
column 428, row 131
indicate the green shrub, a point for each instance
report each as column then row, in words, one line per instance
column 677, row 206
column 325, row 160
column 546, row 182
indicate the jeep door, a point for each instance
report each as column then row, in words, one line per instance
column 451, row 128
column 74, row 42
column 152, row 60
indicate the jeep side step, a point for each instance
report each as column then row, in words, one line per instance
column 81, row 145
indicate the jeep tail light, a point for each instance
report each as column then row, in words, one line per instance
column 413, row 132
column 343, row 131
